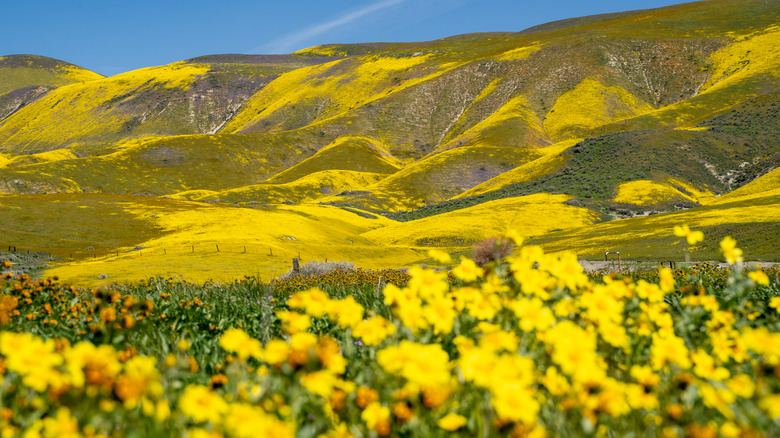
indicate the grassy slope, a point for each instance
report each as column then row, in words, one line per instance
column 25, row 78
column 180, row 98
column 101, row 222
column 19, row 71
column 733, row 136
column 313, row 187
column 755, row 223
column 439, row 177
column 550, row 161
column 618, row 84
column 529, row 215
column 163, row 166
column 765, row 185
column 358, row 154
column 164, row 232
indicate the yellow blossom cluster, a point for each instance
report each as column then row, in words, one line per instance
column 530, row 345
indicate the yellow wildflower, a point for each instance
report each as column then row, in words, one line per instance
column 645, row 375
column 515, row 402
column 771, row 405
column 439, row 256
column 763, row 342
column 374, row 330
column 275, row 351
column 515, row 237
column 427, row 283
column 730, row 430
column 718, row 398
column 139, row 380
column 555, row 382
column 467, row 270
column 742, row 385
column 302, row 345
column 704, row 366
column 314, row 302
column 482, row 307
column 498, row 340
column 377, row 417
column 532, row 314
column 200, row 404
column 346, row 312
column 567, row 269
column 397, row 296
column 728, row 247
column 759, row 277
column 452, row 422
column 293, row 322
column 654, row 293
column 440, row 314
column 183, row 344
column 666, row 281
column 668, row 349
column 319, row 382
column 239, row 342
column 243, row 420
column 32, row 358
column 62, row 425
column 476, row 364
column 421, row 364
column 328, row 351
column 693, row 237
column 365, row 396
column 639, row 398
column 97, row 366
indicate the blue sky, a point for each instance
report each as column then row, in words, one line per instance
column 111, row 37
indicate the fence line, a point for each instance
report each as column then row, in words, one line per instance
column 76, row 255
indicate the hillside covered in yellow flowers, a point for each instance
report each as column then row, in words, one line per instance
column 592, row 134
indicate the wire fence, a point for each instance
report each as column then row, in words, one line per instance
column 90, row 253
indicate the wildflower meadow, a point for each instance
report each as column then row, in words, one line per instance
column 525, row 345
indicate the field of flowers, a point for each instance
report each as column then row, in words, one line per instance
column 530, row 345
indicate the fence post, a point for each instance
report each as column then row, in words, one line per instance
column 271, row 253
column 217, row 246
column 193, row 248
column 606, row 258
column 244, row 249
column 165, row 252
column 296, row 265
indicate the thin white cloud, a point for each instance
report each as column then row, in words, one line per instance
column 293, row 41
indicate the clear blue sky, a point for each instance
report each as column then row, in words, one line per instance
column 110, row 37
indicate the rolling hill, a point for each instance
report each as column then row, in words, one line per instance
column 612, row 123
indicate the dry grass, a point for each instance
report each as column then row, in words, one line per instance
column 312, row 269
column 492, row 249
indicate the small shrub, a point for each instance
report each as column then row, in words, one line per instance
column 492, row 249
column 318, row 268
